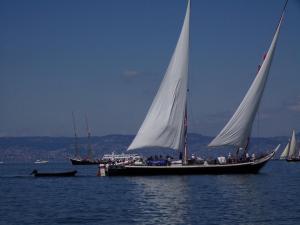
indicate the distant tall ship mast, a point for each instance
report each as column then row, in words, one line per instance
column 89, row 159
column 76, row 145
column 77, row 159
column 89, row 147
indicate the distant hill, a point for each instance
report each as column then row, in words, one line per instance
column 28, row 149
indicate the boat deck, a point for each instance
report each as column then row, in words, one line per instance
column 230, row 168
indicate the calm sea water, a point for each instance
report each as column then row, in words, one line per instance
column 271, row 197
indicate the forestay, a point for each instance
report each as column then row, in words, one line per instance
column 164, row 123
column 238, row 129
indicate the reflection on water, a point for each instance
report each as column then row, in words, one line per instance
column 190, row 199
column 163, row 199
column 270, row 197
column 223, row 199
column 242, row 196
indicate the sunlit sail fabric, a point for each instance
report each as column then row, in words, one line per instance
column 238, row 129
column 292, row 151
column 285, row 152
column 164, row 123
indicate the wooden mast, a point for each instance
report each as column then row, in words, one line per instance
column 90, row 151
column 77, row 153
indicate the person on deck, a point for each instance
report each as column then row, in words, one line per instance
column 229, row 158
column 253, row 157
column 247, row 156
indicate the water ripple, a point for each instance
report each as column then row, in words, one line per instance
column 266, row 198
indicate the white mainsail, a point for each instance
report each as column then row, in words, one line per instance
column 293, row 143
column 285, row 152
column 164, row 123
column 237, row 131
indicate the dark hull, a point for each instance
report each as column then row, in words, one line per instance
column 236, row 168
column 293, row 160
column 57, row 174
column 84, row 162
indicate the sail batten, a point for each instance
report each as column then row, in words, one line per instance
column 163, row 126
column 238, row 129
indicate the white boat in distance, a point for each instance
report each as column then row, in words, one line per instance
column 290, row 152
column 40, row 161
column 165, row 125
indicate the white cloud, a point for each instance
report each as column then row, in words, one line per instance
column 131, row 74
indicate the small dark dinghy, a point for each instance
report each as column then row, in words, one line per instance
column 56, row 174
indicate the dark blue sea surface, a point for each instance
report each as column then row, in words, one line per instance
column 270, row 197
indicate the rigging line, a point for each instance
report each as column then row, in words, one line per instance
column 258, row 127
column 77, row 153
column 191, row 117
column 258, row 110
column 90, row 151
column 189, row 103
column 282, row 13
column 286, row 2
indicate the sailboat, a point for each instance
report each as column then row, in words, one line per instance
column 89, row 159
column 285, row 152
column 290, row 151
column 165, row 125
column 77, row 159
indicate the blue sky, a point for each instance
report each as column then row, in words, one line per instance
column 107, row 58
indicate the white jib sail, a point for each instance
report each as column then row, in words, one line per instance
column 238, row 129
column 292, row 152
column 164, row 123
column 285, row 152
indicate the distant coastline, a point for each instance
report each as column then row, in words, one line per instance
column 58, row 149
